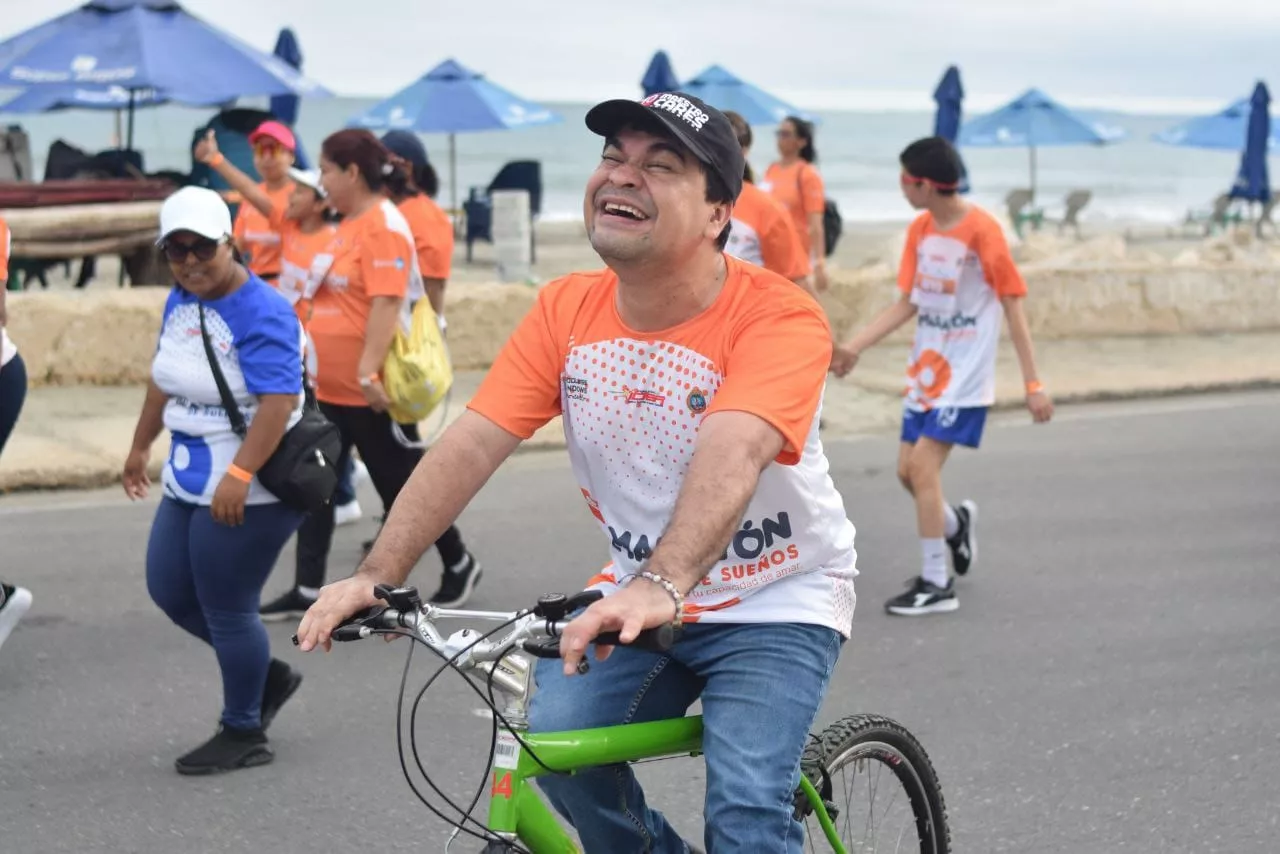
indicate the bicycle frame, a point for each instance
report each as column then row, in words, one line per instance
column 516, row 811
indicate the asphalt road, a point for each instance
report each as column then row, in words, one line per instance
column 1110, row 682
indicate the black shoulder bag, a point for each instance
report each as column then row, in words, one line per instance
column 302, row 472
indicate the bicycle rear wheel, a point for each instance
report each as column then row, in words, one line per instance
column 879, row 787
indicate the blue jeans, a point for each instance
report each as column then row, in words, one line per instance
column 761, row 685
column 208, row 579
column 346, row 491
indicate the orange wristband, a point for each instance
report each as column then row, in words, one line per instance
column 217, row 160
column 239, row 473
column 1035, row 387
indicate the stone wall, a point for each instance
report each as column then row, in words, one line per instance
column 108, row 337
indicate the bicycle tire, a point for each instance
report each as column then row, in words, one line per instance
column 859, row 737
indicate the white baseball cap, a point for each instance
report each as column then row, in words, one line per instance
column 308, row 178
column 198, row 210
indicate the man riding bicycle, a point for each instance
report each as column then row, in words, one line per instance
column 690, row 386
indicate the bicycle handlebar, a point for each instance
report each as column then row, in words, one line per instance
column 536, row 632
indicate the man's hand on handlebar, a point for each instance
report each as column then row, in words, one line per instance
column 640, row 605
column 337, row 603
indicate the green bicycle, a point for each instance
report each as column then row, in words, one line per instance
column 853, row 754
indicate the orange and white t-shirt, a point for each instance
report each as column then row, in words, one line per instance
column 370, row 256
column 301, row 274
column 799, row 188
column 956, row 279
column 762, row 234
column 7, row 350
column 632, row 404
column 257, row 236
column 432, row 235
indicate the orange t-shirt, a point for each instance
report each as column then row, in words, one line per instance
column 372, row 257
column 432, row 235
column 763, row 235
column 799, row 188
column 633, row 404
column 761, row 348
column 5, row 238
column 956, row 279
column 257, row 236
column 300, row 274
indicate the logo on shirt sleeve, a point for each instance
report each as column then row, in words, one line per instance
column 696, row 401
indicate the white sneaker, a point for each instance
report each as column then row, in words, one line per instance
column 361, row 474
column 347, row 514
column 15, row 602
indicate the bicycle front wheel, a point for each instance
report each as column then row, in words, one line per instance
column 879, row 787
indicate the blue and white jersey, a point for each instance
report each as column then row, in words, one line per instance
column 258, row 341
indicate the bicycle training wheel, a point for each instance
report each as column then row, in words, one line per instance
column 879, row 787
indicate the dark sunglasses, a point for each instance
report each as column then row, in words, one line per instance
column 204, row 250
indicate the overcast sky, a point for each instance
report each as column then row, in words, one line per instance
column 1150, row 55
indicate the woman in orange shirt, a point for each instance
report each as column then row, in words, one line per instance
column 273, row 153
column 413, row 189
column 762, row 232
column 795, row 182
column 371, row 286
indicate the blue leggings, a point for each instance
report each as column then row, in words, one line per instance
column 208, row 579
column 13, row 391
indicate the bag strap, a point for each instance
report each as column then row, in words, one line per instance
column 224, row 391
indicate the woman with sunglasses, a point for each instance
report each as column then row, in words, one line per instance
column 794, row 181
column 305, row 230
column 372, row 284
column 217, row 532
column 257, row 238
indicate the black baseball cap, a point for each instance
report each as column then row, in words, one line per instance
column 702, row 129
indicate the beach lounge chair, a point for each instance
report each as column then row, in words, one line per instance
column 478, row 208
column 1220, row 216
column 1076, row 201
column 1018, row 203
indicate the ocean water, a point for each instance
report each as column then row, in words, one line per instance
column 1136, row 180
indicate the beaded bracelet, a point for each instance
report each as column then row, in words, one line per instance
column 678, row 620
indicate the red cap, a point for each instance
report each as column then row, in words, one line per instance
column 276, row 131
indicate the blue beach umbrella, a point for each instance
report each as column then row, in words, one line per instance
column 1225, row 130
column 1251, row 184
column 659, row 76
column 946, row 122
column 1034, row 120
column 139, row 45
column 285, row 107
column 453, row 99
column 43, row 99
column 723, row 90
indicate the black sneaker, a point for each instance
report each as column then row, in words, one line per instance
column 289, row 606
column 964, row 545
column 282, row 682
column 457, row 585
column 923, row 597
column 228, row 750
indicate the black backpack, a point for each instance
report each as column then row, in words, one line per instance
column 832, row 225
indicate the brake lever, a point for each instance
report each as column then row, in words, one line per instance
column 550, row 648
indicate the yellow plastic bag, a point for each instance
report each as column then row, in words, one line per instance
column 417, row 373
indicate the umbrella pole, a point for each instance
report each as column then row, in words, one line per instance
column 1033, row 174
column 129, row 144
column 453, row 182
